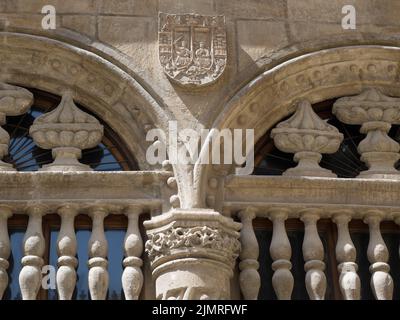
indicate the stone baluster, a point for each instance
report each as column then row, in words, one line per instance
column 376, row 113
column 249, row 278
column 313, row 253
column 98, row 250
column 30, row 276
column 5, row 213
column 281, row 252
column 132, row 277
column 66, row 250
column 349, row 281
column 378, row 256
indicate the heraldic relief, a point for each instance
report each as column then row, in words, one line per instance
column 192, row 47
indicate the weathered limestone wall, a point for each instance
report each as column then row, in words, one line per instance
column 261, row 33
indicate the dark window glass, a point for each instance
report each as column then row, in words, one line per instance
column 13, row 291
column 296, row 240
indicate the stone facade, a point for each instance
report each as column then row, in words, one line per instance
column 245, row 64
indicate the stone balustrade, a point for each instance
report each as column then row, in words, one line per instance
column 34, row 246
column 132, row 278
column 316, row 193
column 381, row 282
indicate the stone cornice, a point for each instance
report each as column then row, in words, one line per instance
column 188, row 217
column 116, row 190
column 328, row 194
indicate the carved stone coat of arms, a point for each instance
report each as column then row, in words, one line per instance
column 192, row 47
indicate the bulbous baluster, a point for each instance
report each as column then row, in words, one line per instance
column 313, row 253
column 281, row 252
column 66, row 250
column 98, row 250
column 30, row 276
column 378, row 256
column 132, row 277
column 5, row 213
column 349, row 281
column 249, row 278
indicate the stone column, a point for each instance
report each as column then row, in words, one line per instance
column 192, row 254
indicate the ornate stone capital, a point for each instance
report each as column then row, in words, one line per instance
column 307, row 136
column 192, row 253
column 192, row 47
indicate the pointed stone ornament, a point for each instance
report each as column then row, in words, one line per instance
column 307, row 136
column 14, row 101
column 376, row 113
column 67, row 130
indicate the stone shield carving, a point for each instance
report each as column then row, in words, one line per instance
column 192, row 47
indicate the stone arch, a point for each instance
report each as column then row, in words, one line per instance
column 316, row 76
column 101, row 86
